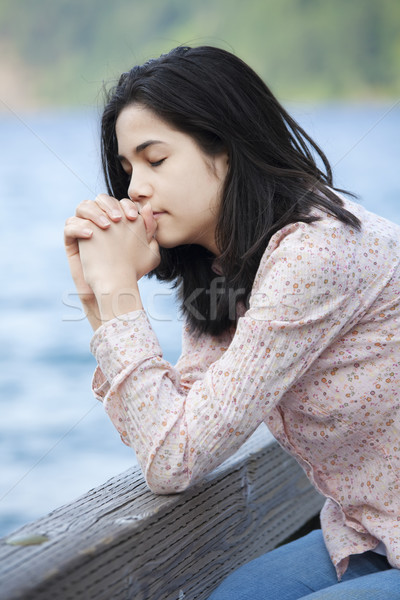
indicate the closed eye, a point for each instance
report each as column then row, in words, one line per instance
column 157, row 163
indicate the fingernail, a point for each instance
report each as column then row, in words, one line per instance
column 116, row 214
column 132, row 212
column 104, row 221
column 87, row 232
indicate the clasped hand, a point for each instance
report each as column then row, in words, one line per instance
column 109, row 246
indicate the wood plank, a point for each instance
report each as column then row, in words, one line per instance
column 122, row 541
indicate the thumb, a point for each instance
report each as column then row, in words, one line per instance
column 149, row 221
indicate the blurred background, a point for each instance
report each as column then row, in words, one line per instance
column 334, row 64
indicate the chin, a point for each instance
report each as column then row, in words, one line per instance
column 167, row 244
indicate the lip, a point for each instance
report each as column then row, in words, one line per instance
column 157, row 215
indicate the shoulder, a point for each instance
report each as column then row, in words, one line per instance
column 302, row 251
column 329, row 244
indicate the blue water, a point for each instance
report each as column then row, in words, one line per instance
column 55, row 440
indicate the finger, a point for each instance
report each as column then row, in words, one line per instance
column 110, row 206
column 149, row 221
column 130, row 209
column 76, row 228
column 155, row 248
column 90, row 211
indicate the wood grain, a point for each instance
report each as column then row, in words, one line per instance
column 121, row 541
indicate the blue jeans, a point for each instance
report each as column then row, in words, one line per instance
column 303, row 569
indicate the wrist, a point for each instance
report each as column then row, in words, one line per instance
column 112, row 284
column 91, row 310
column 88, row 301
column 114, row 302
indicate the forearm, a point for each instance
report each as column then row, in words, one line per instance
column 116, row 300
column 174, row 430
column 92, row 312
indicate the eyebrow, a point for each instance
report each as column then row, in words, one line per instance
column 145, row 145
column 142, row 147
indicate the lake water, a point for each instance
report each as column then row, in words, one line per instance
column 55, row 440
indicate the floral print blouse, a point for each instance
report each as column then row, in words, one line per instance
column 315, row 357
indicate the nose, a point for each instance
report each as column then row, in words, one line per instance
column 139, row 189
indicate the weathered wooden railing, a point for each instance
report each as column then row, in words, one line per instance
column 122, row 541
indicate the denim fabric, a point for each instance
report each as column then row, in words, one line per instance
column 303, row 569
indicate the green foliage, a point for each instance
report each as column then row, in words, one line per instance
column 305, row 49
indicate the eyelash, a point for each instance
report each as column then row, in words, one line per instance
column 157, row 163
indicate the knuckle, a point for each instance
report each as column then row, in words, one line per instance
column 103, row 198
column 82, row 207
column 126, row 203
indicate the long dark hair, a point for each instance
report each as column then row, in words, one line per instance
column 273, row 178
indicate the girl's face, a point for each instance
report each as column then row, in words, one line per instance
column 167, row 168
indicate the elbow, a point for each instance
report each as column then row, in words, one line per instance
column 165, row 484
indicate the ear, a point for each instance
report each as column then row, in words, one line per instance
column 222, row 165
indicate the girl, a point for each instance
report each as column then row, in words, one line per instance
column 290, row 294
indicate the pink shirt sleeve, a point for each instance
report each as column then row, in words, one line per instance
column 184, row 421
column 198, row 353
